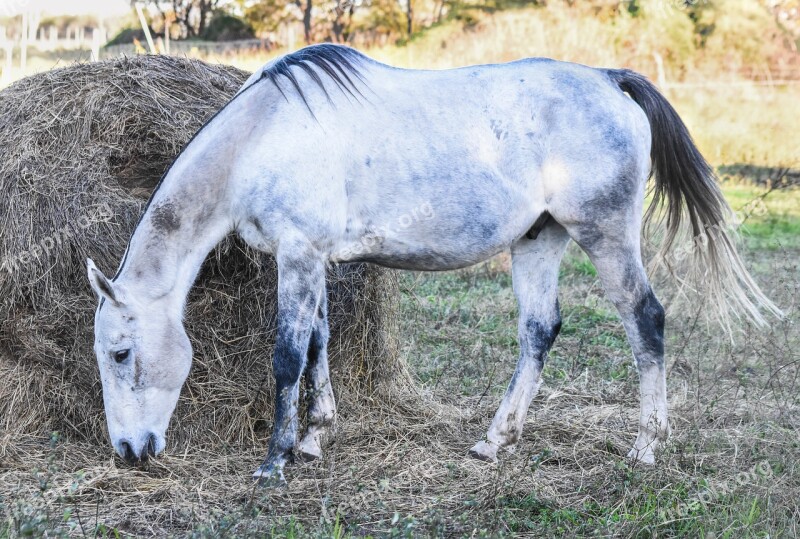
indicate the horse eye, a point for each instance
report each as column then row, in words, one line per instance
column 121, row 355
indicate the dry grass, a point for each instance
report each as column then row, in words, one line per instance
column 726, row 112
column 733, row 406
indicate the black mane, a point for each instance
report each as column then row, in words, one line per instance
column 339, row 63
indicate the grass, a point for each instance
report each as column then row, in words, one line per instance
column 742, row 123
column 769, row 220
column 734, row 407
column 727, row 115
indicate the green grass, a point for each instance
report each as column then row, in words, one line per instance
column 668, row 510
column 768, row 223
column 451, row 309
column 458, row 319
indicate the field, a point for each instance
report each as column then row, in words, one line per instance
column 730, row 469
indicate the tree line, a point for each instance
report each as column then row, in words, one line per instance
column 366, row 22
column 339, row 21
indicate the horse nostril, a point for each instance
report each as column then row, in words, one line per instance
column 127, row 452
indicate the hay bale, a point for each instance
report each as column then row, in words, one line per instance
column 81, row 148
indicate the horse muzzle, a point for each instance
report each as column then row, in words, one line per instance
column 138, row 451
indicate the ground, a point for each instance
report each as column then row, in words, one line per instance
column 730, row 470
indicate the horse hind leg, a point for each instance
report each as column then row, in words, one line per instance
column 321, row 401
column 614, row 249
column 534, row 269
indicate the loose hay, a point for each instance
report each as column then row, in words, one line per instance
column 81, row 148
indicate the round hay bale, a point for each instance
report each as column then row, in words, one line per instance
column 81, row 148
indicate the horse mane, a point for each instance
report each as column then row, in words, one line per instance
column 337, row 62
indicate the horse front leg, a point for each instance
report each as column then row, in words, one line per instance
column 301, row 285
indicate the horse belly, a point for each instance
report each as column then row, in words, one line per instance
column 435, row 236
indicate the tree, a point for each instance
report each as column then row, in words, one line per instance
column 192, row 16
column 269, row 15
column 341, row 24
column 339, row 21
column 379, row 20
column 306, row 6
column 322, row 19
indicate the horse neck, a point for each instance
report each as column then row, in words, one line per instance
column 186, row 218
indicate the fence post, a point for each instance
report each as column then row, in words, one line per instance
column 95, row 44
column 9, row 48
column 167, row 24
column 23, row 55
column 660, row 74
column 146, row 28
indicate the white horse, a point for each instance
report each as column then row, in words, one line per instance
column 326, row 156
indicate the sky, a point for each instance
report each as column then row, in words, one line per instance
column 100, row 8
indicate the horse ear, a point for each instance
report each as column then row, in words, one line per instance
column 100, row 284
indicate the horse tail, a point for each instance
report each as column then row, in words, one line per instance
column 687, row 188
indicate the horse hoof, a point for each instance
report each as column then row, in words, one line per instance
column 485, row 451
column 308, row 450
column 270, row 477
column 643, row 456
